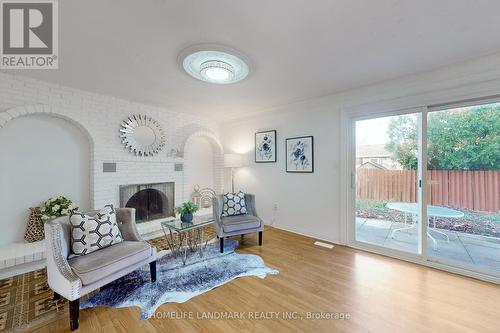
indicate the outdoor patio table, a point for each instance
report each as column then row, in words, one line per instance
column 432, row 211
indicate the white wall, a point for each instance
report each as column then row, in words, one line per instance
column 41, row 157
column 318, row 204
column 306, row 203
column 199, row 164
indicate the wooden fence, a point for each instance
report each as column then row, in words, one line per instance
column 475, row 190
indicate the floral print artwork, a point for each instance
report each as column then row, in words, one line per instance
column 265, row 146
column 299, row 154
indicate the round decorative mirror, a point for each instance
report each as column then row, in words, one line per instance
column 142, row 135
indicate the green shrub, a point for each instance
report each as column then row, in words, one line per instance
column 373, row 204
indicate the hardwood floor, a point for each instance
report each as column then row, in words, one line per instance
column 379, row 294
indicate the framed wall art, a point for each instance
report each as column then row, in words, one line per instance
column 300, row 154
column 265, row 147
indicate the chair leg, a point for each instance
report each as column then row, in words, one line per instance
column 260, row 238
column 74, row 314
column 152, row 269
column 221, row 245
column 56, row 296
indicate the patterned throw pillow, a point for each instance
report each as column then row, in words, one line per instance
column 92, row 233
column 234, row 204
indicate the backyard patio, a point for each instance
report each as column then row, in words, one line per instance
column 483, row 251
column 462, row 194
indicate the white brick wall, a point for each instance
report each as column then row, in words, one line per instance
column 100, row 117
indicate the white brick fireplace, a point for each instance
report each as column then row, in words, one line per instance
column 99, row 117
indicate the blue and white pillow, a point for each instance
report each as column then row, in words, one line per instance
column 234, row 204
column 92, row 233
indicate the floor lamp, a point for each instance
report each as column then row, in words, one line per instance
column 233, row 161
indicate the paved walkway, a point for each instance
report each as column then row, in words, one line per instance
column 472, row 249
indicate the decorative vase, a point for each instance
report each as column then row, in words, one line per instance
column 187, row 217
column 34, row 229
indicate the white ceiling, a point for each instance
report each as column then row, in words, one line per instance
column 300, row 49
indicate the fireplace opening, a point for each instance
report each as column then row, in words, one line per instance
column 151, row 201
column 149, row 204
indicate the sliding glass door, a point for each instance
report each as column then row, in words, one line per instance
column 446, row 160
column 463, row 163
column 386, row 174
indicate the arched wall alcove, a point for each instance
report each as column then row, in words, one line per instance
column 44, row 154
column 203, row 159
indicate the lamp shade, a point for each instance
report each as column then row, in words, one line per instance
column 233, row 161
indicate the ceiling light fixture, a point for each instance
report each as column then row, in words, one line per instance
column 217, row 70
column 214, row 64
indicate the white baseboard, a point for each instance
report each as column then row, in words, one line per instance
column 307, row 234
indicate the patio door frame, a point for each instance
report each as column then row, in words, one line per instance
column 421, row 254
column 439, row 262
column 421, row 257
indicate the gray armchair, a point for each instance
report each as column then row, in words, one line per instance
column 76, row 276
column 227, row 226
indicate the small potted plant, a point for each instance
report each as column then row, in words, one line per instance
column 186, row 210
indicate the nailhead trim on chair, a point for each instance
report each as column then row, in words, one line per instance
column 61, row 263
